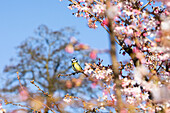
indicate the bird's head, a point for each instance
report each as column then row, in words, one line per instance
column 74, row 60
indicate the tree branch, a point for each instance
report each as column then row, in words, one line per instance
column 115, row 65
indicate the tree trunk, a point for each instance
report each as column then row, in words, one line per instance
column 115, row 65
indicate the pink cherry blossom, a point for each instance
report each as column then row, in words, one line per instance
column 69, row 48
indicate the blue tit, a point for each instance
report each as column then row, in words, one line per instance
column 75, row 65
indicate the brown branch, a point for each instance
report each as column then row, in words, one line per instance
column 7, row 102
column 66, row 74
column 159, row 66
column 114, row 61
column 46, row 94
column 146, row 5
column 74, row 97
column 40, row 83
column 58, row 75
column 73, row 74
column 30, row 95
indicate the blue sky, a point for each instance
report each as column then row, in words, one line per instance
column 20, row 18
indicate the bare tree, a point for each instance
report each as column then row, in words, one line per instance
column 42, row 60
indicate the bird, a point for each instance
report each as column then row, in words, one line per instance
column 76, row 66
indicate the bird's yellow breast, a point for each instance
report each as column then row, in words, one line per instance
column 76, row 67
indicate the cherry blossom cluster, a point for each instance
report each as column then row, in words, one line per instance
column 1, row 108
column 90, row 9
column 135, row 88
column 134, row 23
column 142, row 30
column 139, row 91
column 98, row 71
column 75, row 45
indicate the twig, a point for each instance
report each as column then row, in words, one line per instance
column 73, row 74
column 74, row 97
column 30, row 95
column 7, row 102
column 67, row 74
column 146, row 5
column 46, row 93
column 159, row 66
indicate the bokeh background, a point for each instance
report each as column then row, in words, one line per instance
column 20, row 18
